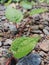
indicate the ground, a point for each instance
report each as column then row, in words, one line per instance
column 29, row 26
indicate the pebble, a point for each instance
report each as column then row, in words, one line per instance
column 13, row 29
column 46, row 32
column 47, row 28
column 1, row 27
column 0, row 17
column 1, row 35
column 32, row 59
column 37, row 31
column 44, row 45
column 42, row 35
column 3, row 18
column 47, row 59
column 13, row 5
column 41, row 26
column 35, row 27
column 45, row 23
column 36, row 17
column 0, row 43
column 0, row 20
column 2, row 13
column 4, row 52
column 3, row 61
column 8, row 41
column 2, row 8
column 6, row 24
column 42, row 54
column 0, row 38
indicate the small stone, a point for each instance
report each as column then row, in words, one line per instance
column 35, row 27
column 3, row 61
column 37, row 31
column 26, row 29
column 47, row 59
column 42, row 35
column 36, row 17
column 27, row 26
column 3, row 18
column 0, row 17
column 41, row 26
column 4, row 52
column 45, row 31
column 0, row 38
column 32, row 59
column 42, row 54
column 0, row 20
column 8, row 41
column 13, row 5
column 0, row 43
column 1, row 28
column 47, row 28
column 44, row 45
column 42, row 63
column 2, row 8
column 24, row 10
column 45, row 23
column 13, row 29
column 6, row 25
column 1, row 35
column 2, row 13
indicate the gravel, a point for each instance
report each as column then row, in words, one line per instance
column 32, row 59
column 35, row 25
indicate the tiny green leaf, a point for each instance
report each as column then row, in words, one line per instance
column 47, row 1
column 13, row 15
column 15, row 0
column 9, row 1
column 37, row 11
column 26, row 4
column 23, row 45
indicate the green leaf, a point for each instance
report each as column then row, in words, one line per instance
column 37, row 11
column 8, row 2
column 41, row 1
column 26, row 4
column 47, row 1
column 13, row 15
column 15, row 0
column 23, row 45
column 2, row 1
column 33, row 3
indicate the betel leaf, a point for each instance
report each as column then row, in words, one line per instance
column 37, row 11
column 23, row 45
column 13, row 15
column 26, row 4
